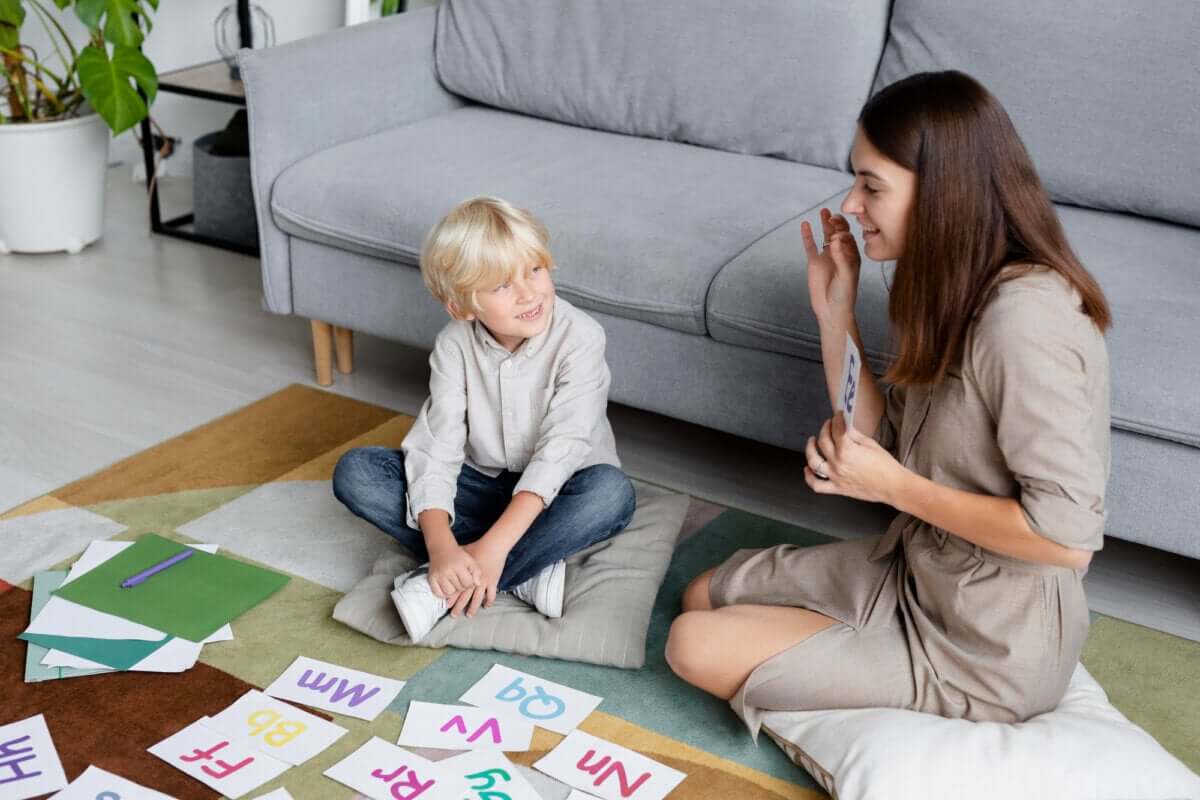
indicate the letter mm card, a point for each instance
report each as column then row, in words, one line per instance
column 464, row 728
column 545, row 703
column 490, row 776
column 29, row 763
column 607, row 770
column 332, row 688
column 218, row 761
column 276, row 728
column 384, row 771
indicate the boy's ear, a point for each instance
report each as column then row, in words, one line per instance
column 453, row 310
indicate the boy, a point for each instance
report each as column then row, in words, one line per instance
column 510, row 466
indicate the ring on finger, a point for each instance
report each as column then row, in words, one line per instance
column 820, row 470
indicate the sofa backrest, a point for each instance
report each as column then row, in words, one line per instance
column 1105, row 93
column 766, row 77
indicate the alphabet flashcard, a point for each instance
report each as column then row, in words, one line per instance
column 490, row 776
column 578, row 795
column 278, row 794
column 29, row 763
column 98, row 784
column 217, row 760
column 276, row 728
column 338, row 689
column 463, row 728
column 607, row 770
column 383, row 771
column 851, row 375
column 546, row 704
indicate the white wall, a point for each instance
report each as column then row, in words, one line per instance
column 183, row 36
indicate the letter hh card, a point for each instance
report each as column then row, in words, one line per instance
column 607, row 770
column 851, row 373
column 338, row 689
column 29, row 763
column 464, row 728
column 490, row 776
column 546, row 704
column 385, row 772
column 218, row 761
column 277, row 728
column 97, row 784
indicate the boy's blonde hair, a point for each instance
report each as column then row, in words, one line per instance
column 482, row 243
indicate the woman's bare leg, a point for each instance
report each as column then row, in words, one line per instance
column 717, row 649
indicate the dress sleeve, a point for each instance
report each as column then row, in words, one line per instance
column 888, row 432
column 1041, row 368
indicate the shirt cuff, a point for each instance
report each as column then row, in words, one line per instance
column 426, row 495
column 1051, row 513
column 543, row 479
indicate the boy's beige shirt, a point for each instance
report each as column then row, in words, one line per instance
column 540, row 411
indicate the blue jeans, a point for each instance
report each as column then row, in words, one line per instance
column 594, row 504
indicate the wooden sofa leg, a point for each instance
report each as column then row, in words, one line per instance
column 343, row 340
column 322, row 335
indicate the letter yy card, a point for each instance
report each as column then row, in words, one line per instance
column 490, row 776
column 546, row 704
column 338, row 689
column 851, row 374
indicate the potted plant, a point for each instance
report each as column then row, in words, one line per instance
column 58, row 110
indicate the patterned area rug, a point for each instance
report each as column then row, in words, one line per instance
column 256, row 482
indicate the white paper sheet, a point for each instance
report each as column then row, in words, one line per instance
column 464, row 728
column 97, row 784
column 578, row 795
column 217, row 761
column 30, row 766
column 333, row 688
column 545, row 703
column 489, row 774
column 607, row 770
column 384, row 771
column 277, row 728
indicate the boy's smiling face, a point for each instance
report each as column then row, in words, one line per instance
column 516, row 310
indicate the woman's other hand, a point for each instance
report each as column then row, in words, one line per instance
column 852, row 463
column 832, row 270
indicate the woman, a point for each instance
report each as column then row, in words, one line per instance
column 992, row 443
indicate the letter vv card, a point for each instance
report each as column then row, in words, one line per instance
column 545, row 703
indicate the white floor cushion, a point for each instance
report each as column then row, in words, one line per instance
column 1084, row 749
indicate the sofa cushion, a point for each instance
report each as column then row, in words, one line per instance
column 663, row 69
column 1104, row 92
column 638, row 227
column 1146, row 268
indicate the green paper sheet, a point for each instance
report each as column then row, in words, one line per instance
column 35, row 670
column 191, row 599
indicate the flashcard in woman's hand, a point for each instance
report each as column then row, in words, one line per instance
column 851, row 371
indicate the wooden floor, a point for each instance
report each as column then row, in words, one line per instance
column 141, row 337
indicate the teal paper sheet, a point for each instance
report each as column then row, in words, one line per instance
column 35, row 671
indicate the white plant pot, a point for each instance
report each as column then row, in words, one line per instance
column 52, row 184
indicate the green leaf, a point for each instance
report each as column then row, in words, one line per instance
column 119, row 25
column 106, row 85
column 9, row 37
column 389, row 7
column 62, row 4
column 130, row 63
column 90, row 12
column 12, row 12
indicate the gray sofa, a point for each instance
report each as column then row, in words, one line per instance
column 673, row 147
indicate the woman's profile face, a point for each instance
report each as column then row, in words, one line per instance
column 881, row 200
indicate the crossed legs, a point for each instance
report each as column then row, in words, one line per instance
column 716, row 649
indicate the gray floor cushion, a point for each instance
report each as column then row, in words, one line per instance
column 610, row 591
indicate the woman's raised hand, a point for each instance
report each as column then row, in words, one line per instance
column 832, row 270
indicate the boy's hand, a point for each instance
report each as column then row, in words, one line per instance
column 490, row 559
column 452, row 570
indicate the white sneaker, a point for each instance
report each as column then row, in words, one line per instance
column 419, row 607
column 544, row 591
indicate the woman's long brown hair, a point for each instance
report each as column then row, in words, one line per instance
column 979, row 207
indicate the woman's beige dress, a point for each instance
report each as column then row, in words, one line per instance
column 929, row 621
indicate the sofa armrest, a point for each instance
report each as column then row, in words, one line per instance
column 312, row 94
